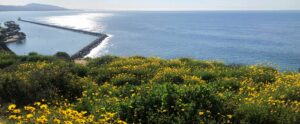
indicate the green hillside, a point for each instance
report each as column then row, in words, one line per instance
column 110, row 89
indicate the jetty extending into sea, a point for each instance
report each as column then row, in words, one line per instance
column 85, row 50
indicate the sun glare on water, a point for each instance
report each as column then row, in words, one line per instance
column 84, row 21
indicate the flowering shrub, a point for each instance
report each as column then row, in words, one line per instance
column 144, row 90
column 40, row 112
column 124, row 78
column 32, row 81
column 170, row 103
column 171, row 75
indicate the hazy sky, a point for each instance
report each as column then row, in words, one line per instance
column 167, row 4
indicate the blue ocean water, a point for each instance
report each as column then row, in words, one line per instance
column 245, row 37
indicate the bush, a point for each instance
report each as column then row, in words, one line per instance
column 206, row 75
column 263, row 74
column 231, row 84
column 31, row 82
column 101, row 75
column 34, row 57
column 169, row 103
column 170, row 75
column 79, row 70
column 7, row 59
column 33, row 54
column 266, row 114
column 62, row 55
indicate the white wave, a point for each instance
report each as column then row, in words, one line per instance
column 101, row 49
column 84, row 21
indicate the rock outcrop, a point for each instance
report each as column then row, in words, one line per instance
column 11, row 33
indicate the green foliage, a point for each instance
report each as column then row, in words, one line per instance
column 34, row 57
column 124, row 78
column 206, row 75
column 62, row 55
column 79, row 70
column 232, row 84
column 266, row 114
column 7, row 59
column 169, row 103
column 263, row 74
column 171, row 75
column 100, row 61
column 29, row 82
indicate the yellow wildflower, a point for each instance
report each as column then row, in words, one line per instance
column 81, row 121
column 29, row 115
column 29, row 108
column 201, row 113
column 16, row 111
column 57, row 121
column 11, row 107
column 47, row 112
column 37, row 103
column 121, row 122
column 14, row 117
column 42, row 119
column 44, row 106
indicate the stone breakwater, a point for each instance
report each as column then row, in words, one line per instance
column 63, row 28
column 85, row 50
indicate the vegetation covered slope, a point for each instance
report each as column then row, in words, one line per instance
column 45, row 89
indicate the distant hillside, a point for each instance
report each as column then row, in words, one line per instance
column 31, row 7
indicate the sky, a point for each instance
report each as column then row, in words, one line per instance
column 167, row 4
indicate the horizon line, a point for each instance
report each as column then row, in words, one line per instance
column 187, row 9
column 160, row 9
